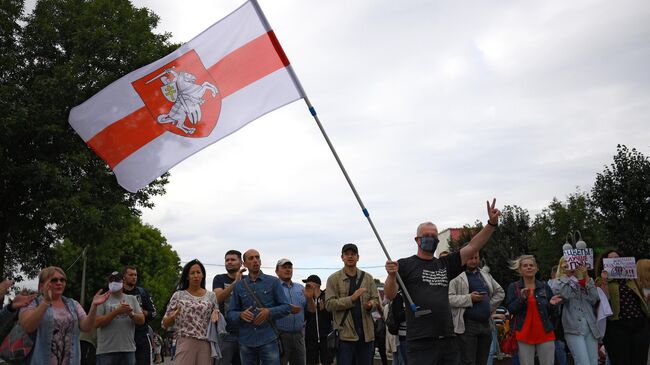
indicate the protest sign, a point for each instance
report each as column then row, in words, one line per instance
column 579, row 256
column 620, row 267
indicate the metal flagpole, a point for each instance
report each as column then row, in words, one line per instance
column 312, row 110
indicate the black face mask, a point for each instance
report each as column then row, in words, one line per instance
column 429, row 244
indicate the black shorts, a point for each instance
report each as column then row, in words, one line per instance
column 317, row 353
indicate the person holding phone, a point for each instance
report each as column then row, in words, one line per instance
column 473, row 296
column 222, row 285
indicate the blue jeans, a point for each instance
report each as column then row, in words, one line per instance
column 584, row 348
column 403, row 350
column 116, row 358
column 560, row 352
column 355, row 353
column 268, row 354
column 494, row 347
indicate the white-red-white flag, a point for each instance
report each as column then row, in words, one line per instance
column 155, row 117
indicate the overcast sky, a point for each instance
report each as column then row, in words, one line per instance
column 434, row 107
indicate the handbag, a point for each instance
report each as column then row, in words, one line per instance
column 333, row 336
column 16, row 345
column 509, row 343
column 275, row 329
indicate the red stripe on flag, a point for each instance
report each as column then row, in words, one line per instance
column 120, row 139
column 248, row 64
column 240, row 68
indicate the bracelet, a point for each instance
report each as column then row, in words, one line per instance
column 492, row 224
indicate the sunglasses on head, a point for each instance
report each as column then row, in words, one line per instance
column 56, row 280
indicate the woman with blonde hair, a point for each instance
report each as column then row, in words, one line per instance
column 57, row 320
column 529, row 301
column 579, row 296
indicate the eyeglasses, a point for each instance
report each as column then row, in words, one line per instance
column 56, row 280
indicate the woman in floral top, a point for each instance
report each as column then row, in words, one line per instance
column 191, row 309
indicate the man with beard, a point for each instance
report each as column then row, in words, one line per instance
column 143, row 347
column 430, row 337
column 473, row 296
column 222, row 285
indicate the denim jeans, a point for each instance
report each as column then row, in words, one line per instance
column 268, row 354
column 560, row 352
column 403, row 350
column 229, row 350
column 584, row 348
column 494, row 347
column 355, row 353
column 116, row 358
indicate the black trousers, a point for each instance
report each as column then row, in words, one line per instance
column 142, row 350
column 627, row 340
column 430, row 351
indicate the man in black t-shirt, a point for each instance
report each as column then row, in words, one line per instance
column 142, row 341
column 430, row 337
column 222, row 285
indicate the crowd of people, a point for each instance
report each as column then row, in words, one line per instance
column 450, row 310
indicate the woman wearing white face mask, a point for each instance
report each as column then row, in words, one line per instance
column 116, row 320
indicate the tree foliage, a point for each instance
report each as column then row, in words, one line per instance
column 508, row 241
column 52, row 186
column 622, row 194
column 552, row 226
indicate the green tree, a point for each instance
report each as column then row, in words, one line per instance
column 551, row 226
column 508, row 241
column 622, row 195
column 53, row 186
column 141, row 245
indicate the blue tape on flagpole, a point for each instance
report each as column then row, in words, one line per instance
column 413, row 307
column 365, row 212
column 312, row 110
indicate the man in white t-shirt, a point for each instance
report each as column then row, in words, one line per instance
column 116, row 320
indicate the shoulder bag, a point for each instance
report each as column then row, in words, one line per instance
column 333, row 337
column 259, row 304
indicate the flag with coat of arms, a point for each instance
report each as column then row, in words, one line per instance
column 148, row 121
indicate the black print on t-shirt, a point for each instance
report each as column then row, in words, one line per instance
column 435, row 278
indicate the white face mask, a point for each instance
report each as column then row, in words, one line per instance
column 114, row 286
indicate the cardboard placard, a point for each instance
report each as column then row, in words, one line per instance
column 620, row 267
column 579, row 256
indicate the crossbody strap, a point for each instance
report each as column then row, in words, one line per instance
column 259, row 304
column 347, row 311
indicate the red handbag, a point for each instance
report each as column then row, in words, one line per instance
column 509, row 343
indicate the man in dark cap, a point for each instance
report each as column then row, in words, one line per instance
column 319, row 323
column 351, row 296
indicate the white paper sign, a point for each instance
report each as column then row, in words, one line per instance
column 620, row 267
column 579, row 256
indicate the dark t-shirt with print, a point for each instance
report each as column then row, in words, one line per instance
column 223, row 281
column 427, row 281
